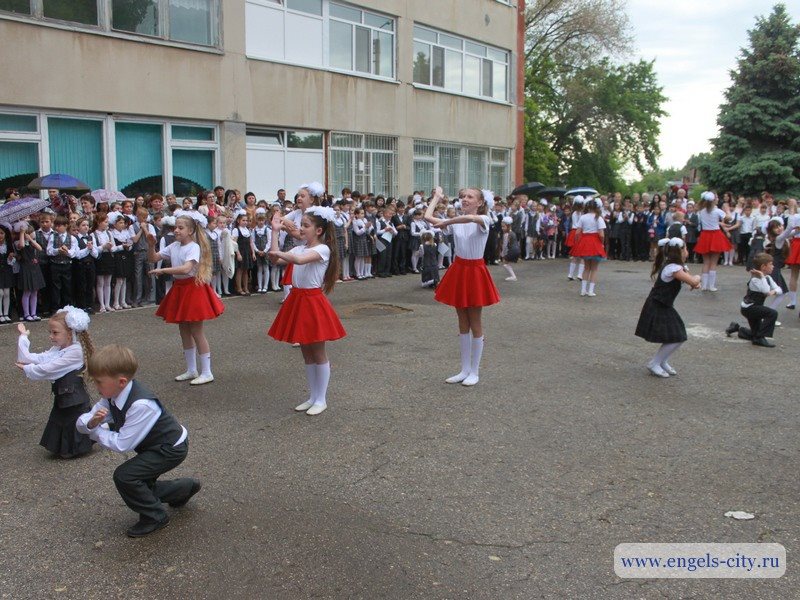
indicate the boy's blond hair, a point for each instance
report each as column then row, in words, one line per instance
column 113, row 361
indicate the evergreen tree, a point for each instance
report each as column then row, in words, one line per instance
column 758, row 147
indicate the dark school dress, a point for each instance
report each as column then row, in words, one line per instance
column 6, row 272
column 70, row 400
column 659, row 322
column 123, row 261
column 430, row 263
column 243, row 245
column 30, row 274
column 261, row 241
column 104, row 263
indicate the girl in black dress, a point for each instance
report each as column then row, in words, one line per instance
column 659, row 322
column 6, row 275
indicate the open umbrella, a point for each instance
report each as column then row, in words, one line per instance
column 529, row 189
column 58, row 181
column 553, row 191
column 16, row 210
column 582, row 191
column 108, row 196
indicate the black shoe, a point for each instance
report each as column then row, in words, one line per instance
column 732, row 328
column 146, row 527
column 196, row 485
column 790, row 307
column 763, row 342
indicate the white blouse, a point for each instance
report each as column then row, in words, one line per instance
column 668, row 272
column 470, row 238
column 49, row 365
column 588, row 223
column 792, row 222
column 311, row 275
column 709, row 221
column 178, row 254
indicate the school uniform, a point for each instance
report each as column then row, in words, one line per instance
column 30, row 277
column 509, row 250
column 187, row 300
column 289, row 242
column 123, row 257
column 794, row 247
column 624, row 233
column 216, row 260
column 244, row 244
column 760, row 318
column 42, row 238
column 589, row 246
column 61, row 268
column 429, row 271
column 692, row 229
column 711, row 240
column 83, row 272
column 338, row 228
column 6, row 272
column 385, row 235
column 306, row 316
column 104, row 260
column 137, row 421
column 639, row 243
column 467, row 283
column 360, row 247
column 164, row 281
column 760, row 222
column 140, row 264
column 659, row 322
column 62, row 368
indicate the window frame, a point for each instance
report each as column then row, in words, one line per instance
column 463, row 162
column 364, row 149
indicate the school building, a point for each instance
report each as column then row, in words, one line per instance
column 175, row 96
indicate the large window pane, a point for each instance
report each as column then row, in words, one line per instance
column 310, row 6
column 17, row 6
column 437, row 77
column 362, row 49
column 265, row 138
column 345, row 12
column 452, row 70
column 19, row 163
column 78, row 11
column 422, row 63
column 17, row 122
column 192, row 171
column 382, row 53
column 138, row 16
column 476, row 168
column 302, row 139
column 188, row 132
column 76, row 148
column 424, row 34
column 341, row 40
column 450, row 41
column 488, row 68
column 423, row 175
column 383, row 173
column 341, row 170
column 385, row 23
column 472, row 75
column 499, row 91
column 449, row 169
column 139, row 164
column 498, row 181
column 191, row 21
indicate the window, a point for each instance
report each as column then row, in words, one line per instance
column 358, row 41
column 192, row 171
column 283, row 159
column 186, row 132
column 453, row 167
column 187, row 21
column 139, row 158
column 458, row 65
column 19, row 149
column 367, row 163
column 76, row 148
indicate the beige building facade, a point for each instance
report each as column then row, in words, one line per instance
column 178, row 95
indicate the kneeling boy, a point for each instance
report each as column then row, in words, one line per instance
column 761, row 318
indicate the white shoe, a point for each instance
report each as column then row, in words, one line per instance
column 583, row 293
column 457, row 378
column 117, row 307
column 316, row 409
column 591, row 294
column 126, row 306
column 202, row 379
column 657, row 371
column 712, row 289
column 778, row 323
column 511, row 278
column 304, row 406
column 186, row 376
column 668, row 369
column 471, row 379
column 295, row 345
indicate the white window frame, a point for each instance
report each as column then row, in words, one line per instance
column 363, row 149
column 464, row 53
column 463, row 162
column 326, row 18
column 104, row 18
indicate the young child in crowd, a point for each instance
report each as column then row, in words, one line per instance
column 62, row 365
column 361, row 231
column 245, row 252
column 83, row 266
column 576, row 264
column 61, row 249
column 430, row 264
column 123, row 257
column 104, row 261
column 261, row 239
column 509, row 248
column 30, row 279
column 589, row 245
column 216, row 255
column 761, row 319
column 6, row 275
column 137, row 421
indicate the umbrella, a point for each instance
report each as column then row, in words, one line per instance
column 582, row 191
column 108, row 196
column 529, row 189
column 58, row 181
column 16, row 210
column 552, row 191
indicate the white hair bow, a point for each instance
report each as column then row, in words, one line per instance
column 315, row 188
column 708, row 196
column 324, row 212
column 77, row 319
column 488, row 197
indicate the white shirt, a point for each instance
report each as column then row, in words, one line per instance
column 747, row 224
column 668, row 272
column 765, row 285
column 311, row 275
column 122, row 237
column 50, row 365
column 589, row 224
column 94, row 252
column 139, row 420
column 760, row 222
column 101, row 238
column 792, row 222
column 470, row 238
column 178, row 254
column 576, row 217
column 69, row 240
column 709, row 221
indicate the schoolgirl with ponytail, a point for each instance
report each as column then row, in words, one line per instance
column 62, row 365
column 307, row 317
column 308, row 195
column 190, row 300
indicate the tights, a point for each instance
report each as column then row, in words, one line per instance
column 29, row 302
column 103, row 289
column 5, row 301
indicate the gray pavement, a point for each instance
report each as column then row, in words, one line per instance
column 406, row 487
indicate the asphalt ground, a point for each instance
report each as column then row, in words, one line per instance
column 406, row 487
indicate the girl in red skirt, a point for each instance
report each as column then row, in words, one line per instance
column 190, row 300
column 307, row 196
column 712, row 241
column 793, row 260
column 575, row 263
column 589, row 236
column 307, row 317
column 467, row 285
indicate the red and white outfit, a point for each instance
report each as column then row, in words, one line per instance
column 295, row 216
column 307, row 317
column 589, row 245
column 187, row 300
column 467, row 282
column 712, row 240
column 794, row 248
column 570, row 241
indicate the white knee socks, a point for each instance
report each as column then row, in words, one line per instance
column 321, row 389
column 119, row 293
column 5, row 301
column 584, row 286
column 465, row 343
column 190, row 354
column 581, row 267
column 263, row 277
column 528, row 247
column 712, row 281
column 205, row 365
column 511, row 275
column 414, row 261
column 792, row 298
column 661, row 357
column 475, row 361
column 704, row 281
column 571, row 274
column 775, row 302
column 346, row 268
column 311, row 377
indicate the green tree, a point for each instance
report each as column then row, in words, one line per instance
column 758, row 146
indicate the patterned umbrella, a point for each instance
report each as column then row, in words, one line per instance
column 108, row 196
column 16, row 210
column 582, row 191
column 58, row 181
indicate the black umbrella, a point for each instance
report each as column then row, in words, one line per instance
column 552, row 191
column 529, row 189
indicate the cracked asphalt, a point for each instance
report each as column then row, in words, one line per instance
column 406, row 487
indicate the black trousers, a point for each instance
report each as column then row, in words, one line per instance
column 761, row 320
column 385, row 260
column 60, row 285
column 625, row 242
column 136, row 480
column 46, row 293
column 399, row 254
column 84, row 278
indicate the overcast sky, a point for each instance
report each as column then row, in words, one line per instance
column 695, row 44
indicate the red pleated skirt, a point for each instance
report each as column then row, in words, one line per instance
column 712, row 241
column 570, row 241
column 467, row 284
column 589, row 246
column 794, row 252
column 189, row 301
column 287, row 274
column 306, row 317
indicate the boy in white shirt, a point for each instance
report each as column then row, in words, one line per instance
column 762, row 319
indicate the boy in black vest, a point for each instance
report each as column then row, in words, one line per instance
column 762, row 319
column 137, row 421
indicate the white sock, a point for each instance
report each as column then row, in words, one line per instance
column 260, row 276
column 190, row 354
column 508, row 268
column 712, row 279
column 311, row 377
column 414, row 260
column 792, row 299
column 286, row 290
column 346, row 268
column 704, row 281
column 322, row 379
column 571, row 270
column 776, row 301
column 581, row 267
column 205, row 364
column 107, row 290
column 465, row 344
column 666, row 351
column 5, row 294
column 591, row 287
column 584, row 285
column 477, row 352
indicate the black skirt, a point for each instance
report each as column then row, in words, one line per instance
column 60, row 436
column 660, row 324
column 123, row 264
column 104, row 264
column 6, row 273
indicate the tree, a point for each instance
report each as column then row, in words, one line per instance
column 758, row 146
